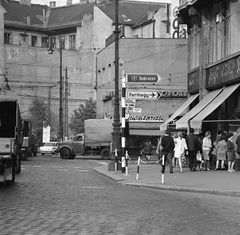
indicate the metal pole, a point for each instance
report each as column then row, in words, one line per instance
column 163, row 168
column 66, row 103
column 116, row 135
column 123, row 122
column 60, row 133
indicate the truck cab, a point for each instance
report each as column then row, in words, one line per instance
column 68, row 149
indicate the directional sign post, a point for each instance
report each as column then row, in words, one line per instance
column 143, row 95
column 143, row 78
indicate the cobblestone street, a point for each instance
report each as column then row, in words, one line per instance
column 52, row 196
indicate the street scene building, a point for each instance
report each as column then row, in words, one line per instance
column 51, row 53
column 155, row 71
column 213, row 65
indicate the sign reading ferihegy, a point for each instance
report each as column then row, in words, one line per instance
column 155, row 95
column 143, row 77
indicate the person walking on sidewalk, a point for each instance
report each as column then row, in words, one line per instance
column 206, row 147
column 167, row 147
column 193, row 145
column 221, row 152
column 158, row 150
column 231, row 153
column 180, row 148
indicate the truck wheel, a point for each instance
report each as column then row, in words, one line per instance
column 18, row 164
column 65, row 153
column 105, row 153
column 13, row 169
column 7, row 182
column 24, row 155
column 73, row 156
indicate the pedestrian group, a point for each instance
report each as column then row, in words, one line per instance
column 198, row 151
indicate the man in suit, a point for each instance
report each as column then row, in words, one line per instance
column 167, row 147
column 193, row 146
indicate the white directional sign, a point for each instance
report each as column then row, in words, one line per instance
column 156, row 95
column 143, row 95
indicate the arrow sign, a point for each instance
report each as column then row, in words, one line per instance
column 143, row 95
column 143, row 78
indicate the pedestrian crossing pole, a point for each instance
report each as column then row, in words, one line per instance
column 126, row 162
column 116, row 159
column 163, row 168
column 138, row 167
column 123, row 120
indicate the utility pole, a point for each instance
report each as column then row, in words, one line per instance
column 50, row 51
column 116, row 134
column 49, row 106
column 66, row 103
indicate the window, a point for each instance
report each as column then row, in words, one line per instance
column 53, row 41
column 7, row 38
column 233, row 28
column 71, row 42
column 62, row 42
column 34, row 41
column 217, row 33
column 194, row 41
column 44, row 41
column 23, row 39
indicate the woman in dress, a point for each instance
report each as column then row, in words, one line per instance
column 206, row 147
column 231, row 153
column 179, row 150
column 221, row 152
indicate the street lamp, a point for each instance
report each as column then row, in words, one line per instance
column 116, row 134
column 50, row 51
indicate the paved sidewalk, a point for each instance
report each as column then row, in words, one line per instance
column 212, row 182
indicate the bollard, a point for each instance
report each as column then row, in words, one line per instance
column 163, row 168
column 138, row 168
column 123, row 164
column 126, row 162
column 116, row 160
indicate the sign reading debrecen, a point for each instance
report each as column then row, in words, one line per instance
column 143, row 78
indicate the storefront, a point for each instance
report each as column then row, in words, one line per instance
column 219, row 110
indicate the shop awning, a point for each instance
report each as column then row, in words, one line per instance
column 196, row 122
column 144, row 132
column 183, row 122
column 179, row 111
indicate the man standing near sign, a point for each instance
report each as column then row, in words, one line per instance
column 167, row 147
column 193, row 146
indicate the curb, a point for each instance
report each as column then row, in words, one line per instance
column 119, row 179
column 183, row 189
column 108, row 174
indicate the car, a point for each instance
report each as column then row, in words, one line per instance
column 48, row 148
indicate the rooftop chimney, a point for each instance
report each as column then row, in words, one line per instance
column 25, row 2
column 52, row 4
column 28, row 20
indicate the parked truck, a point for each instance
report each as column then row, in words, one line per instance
column 97, row 138
column 11, row 139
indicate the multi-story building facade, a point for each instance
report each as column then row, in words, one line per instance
column 213, row 64
column 29, row 72
column 149, row 102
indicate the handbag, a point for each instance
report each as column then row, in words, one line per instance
column 199, row 156
column 214, row 152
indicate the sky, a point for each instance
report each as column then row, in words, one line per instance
column 63, row 2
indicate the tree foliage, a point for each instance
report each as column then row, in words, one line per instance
column 87, row 111
column 38, row 112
